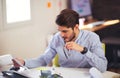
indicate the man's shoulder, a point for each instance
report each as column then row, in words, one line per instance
column 89, row 33
column 57, row 34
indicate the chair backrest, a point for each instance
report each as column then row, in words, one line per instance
column 103, row 46
column 55, row 61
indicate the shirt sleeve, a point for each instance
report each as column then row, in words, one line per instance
column 43, row 59
column 95, row 55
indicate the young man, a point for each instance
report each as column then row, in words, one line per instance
column 75, row 48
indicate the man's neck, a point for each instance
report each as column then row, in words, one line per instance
column 76, row 35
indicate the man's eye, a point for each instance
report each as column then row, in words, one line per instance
column 64, row 31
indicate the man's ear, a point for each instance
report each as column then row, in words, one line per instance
column 76, row 26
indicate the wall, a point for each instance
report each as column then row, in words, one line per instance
column 106, row 9
column 29, row 40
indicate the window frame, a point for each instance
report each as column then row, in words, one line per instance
column 15, row 24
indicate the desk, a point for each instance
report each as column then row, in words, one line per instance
column 72, row 72
column 104, row 25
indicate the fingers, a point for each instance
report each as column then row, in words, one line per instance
column 18, row 62
column 69, row 45
column 73, row 46
column 15, row 63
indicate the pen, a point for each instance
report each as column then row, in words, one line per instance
column 21, row 65
column 65, row 53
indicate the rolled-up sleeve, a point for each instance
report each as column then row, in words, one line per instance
column 96, row 55
column 43, row 59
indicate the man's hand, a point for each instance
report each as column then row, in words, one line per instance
column 74, row 46
column 16, row 64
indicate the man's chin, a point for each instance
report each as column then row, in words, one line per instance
column 66, row 40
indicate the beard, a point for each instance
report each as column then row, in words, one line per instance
column 71, row 38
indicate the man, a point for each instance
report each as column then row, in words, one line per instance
column 75, row 48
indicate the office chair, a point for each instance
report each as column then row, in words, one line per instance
column 55, row 61
column 103, row 46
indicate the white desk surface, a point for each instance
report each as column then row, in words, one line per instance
column 76, row 72
column 71, row 72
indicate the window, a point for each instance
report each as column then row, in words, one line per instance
column 16, row 12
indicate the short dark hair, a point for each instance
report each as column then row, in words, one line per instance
column 68, row 18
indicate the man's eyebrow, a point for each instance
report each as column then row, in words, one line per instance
column 64, row 30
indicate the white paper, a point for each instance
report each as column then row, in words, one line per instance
column 6, row 59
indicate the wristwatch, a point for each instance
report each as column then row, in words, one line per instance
column 84, row 50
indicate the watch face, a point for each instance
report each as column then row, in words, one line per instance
column 84, row 51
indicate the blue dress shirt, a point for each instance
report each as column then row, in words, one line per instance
column 94, row 57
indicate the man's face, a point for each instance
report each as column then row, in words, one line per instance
column 67, row 34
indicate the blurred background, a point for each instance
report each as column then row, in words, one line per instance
column 27, row 25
